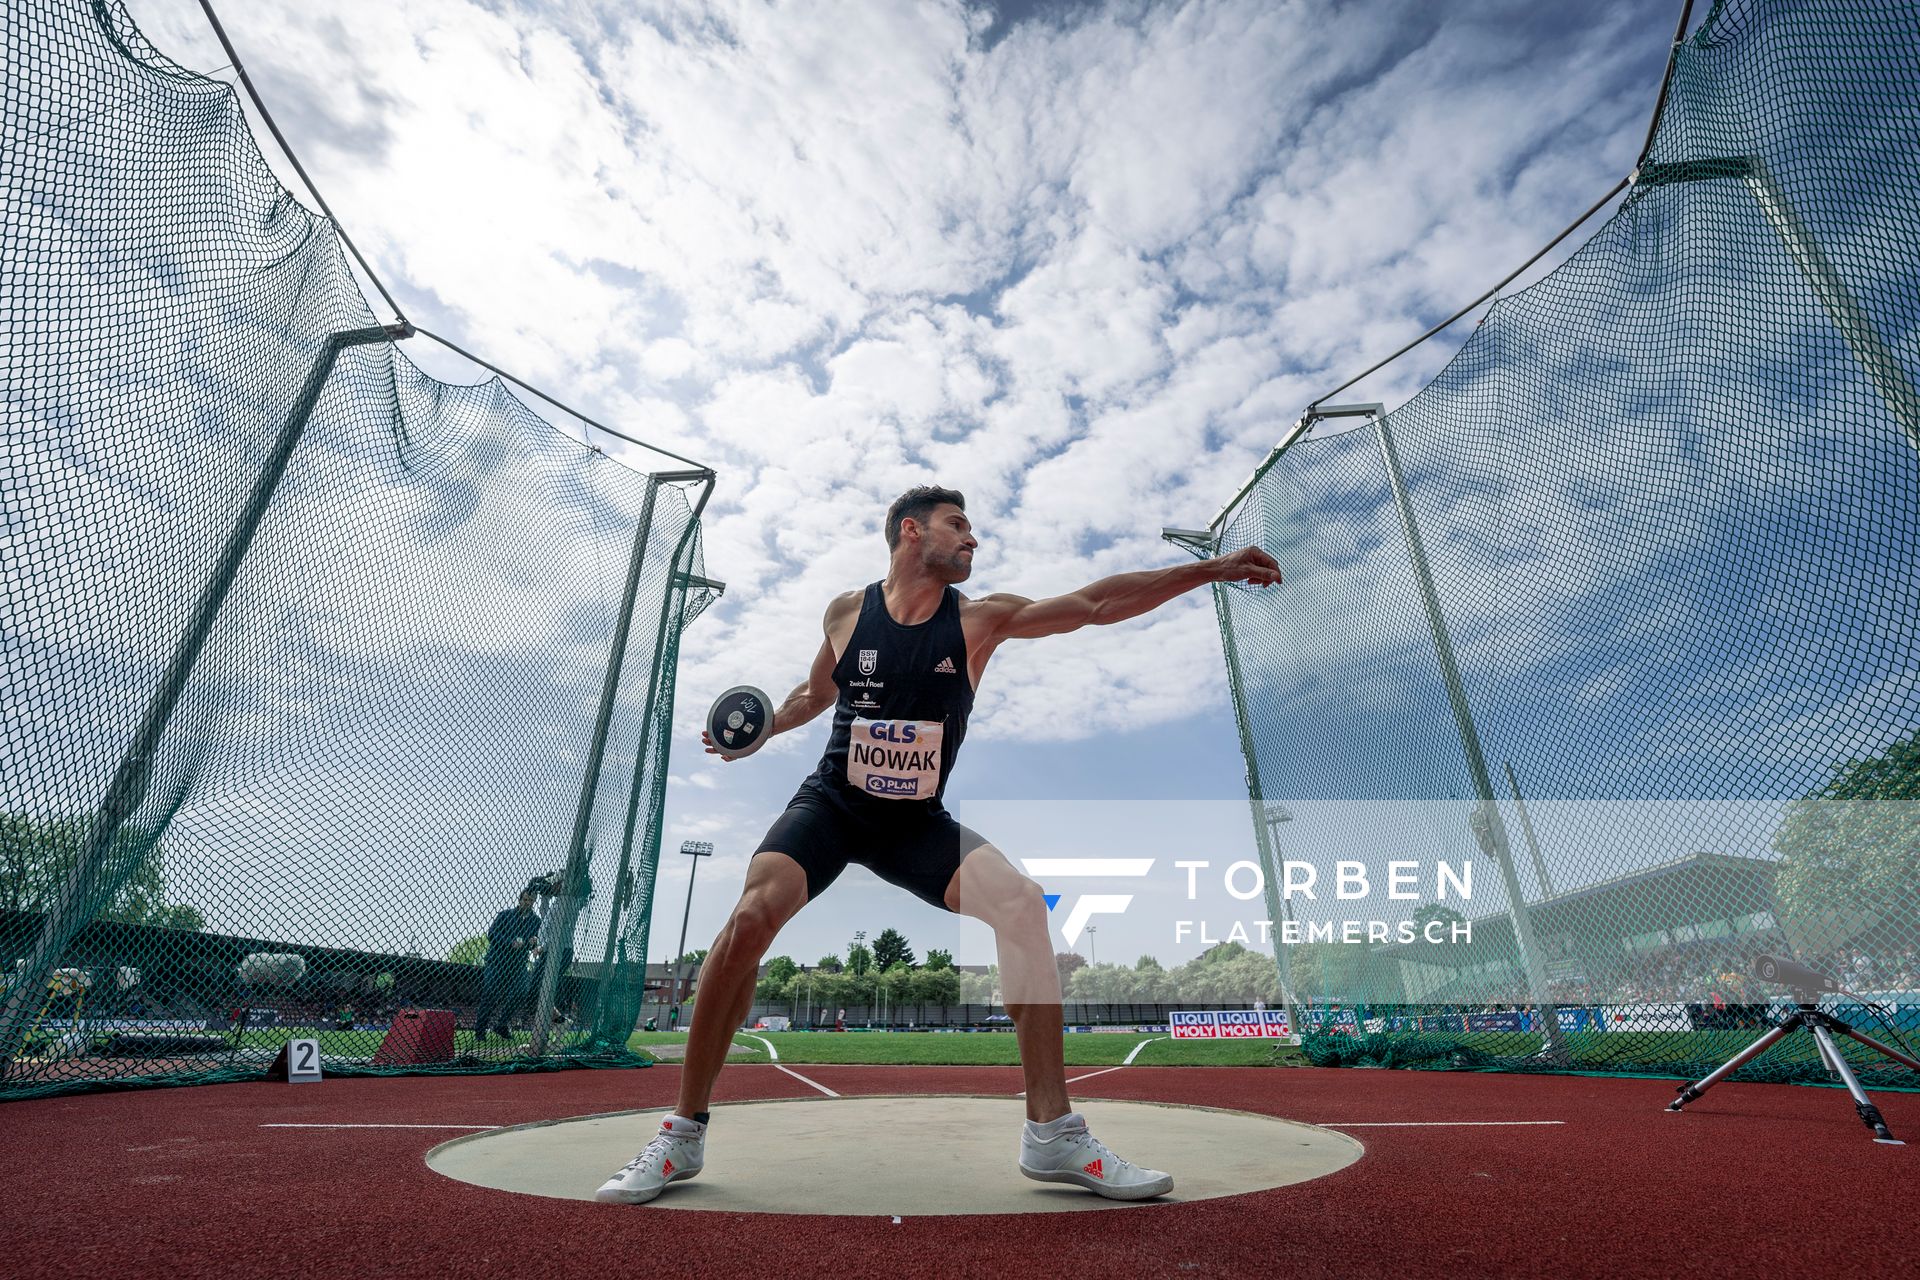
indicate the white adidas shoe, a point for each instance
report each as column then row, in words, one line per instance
column 1076, row 1156
column 671, row 1156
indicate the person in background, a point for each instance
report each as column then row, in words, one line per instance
column 503, row 978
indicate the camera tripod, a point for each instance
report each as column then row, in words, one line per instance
column 1822, row 1026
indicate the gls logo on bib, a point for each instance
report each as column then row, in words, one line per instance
column 895, row 759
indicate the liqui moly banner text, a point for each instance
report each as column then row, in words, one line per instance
column 1229, row 1024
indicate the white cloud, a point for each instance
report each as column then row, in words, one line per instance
column 1088, row 274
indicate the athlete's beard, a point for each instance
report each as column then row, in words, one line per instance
column 950, row 569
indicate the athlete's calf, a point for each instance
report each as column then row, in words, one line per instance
column 776, row 889
column 989, row 889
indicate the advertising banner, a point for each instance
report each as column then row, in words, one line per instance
column 1229, row 1024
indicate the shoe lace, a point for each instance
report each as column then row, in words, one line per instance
column 658, row 1146
column 1099, row 1150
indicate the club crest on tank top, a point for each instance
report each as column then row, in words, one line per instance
column 903, row 704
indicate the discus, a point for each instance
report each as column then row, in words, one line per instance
column 738, row 720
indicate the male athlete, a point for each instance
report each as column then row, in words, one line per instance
column 899, row 666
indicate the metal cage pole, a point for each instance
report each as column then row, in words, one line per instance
column 1882, row 368
column 1275, row 815
column 128, row 789
column 1488, row 826
column 573, row 877
column 666, row 652
column 1526, row 829
column 1203, row 544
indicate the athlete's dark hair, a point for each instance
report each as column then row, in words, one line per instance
column 917, row 504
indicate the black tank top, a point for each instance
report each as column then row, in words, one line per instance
column 902, row 712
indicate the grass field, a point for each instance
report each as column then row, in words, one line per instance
column 993, row 1048
column 366, row 1042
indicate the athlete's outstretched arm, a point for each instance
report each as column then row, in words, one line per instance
column 1123, row 596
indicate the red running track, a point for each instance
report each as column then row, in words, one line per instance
column 186, row 1182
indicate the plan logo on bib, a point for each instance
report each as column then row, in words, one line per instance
column 895, row 759
column 1089, row 905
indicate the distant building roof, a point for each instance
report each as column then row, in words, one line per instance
column 1701, row 888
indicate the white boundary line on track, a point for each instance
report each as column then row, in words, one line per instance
column 1426, row 1124
column 774, row 1054
column 803, row 1080
column 379, row 1126
column 1091, row 1074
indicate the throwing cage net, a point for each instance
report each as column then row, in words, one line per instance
column 312, row 663
column 1619, row 615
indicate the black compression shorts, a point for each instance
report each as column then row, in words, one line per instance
column 919, row 849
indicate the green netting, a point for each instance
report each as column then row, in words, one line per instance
column 1667, row 503
column 305, row 653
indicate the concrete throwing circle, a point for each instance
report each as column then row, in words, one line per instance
column 912, row 1156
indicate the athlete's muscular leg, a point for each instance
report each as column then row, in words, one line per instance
column 776, row 888
column 988, row 888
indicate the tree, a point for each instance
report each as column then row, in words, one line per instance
column 1108, row 982
column 694, row 958
column 896, row 982
column 829, row 964
column 980, row 988
column 1147, row 964
column 1225, row 974
column 1066, row 962
column 1847, row 860
column 37, row 856
column 778, row 982
column 938, row 959
column 891, row 948
column 469, row 950
column 934, row 986
column 179, row 916
column 859, row 959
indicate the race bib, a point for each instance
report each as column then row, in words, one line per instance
column 895, row 759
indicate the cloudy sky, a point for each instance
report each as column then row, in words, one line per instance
column 1083, row 262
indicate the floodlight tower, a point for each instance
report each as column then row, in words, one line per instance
column 695, row 849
